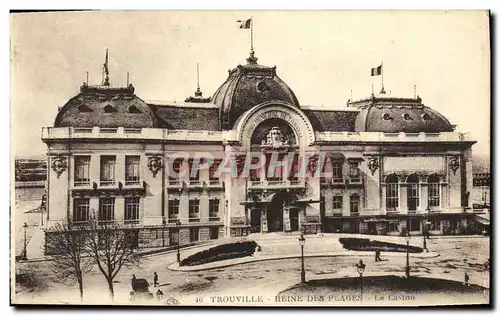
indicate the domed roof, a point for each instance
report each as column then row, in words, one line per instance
column 105, row 106
column 394, row 115
column 248, row 86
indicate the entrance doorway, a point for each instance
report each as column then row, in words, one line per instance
column 255, row 218
column 275, row 215
column 294, row 219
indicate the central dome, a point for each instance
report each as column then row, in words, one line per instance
column 248, row 86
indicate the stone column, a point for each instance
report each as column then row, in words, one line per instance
column 154, row 184
column 403, row 196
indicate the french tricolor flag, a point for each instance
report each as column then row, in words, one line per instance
column 246, row 24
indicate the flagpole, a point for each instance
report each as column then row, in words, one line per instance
column 382, row 75
column 251, row 33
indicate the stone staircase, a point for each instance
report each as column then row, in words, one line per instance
column 288, row 244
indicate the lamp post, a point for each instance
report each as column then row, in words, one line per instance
column 25, row 250
column 178, row 224
column 408, row 237
column 426, row 227
column 302, row 241
column 163, row 233
column 361, row 268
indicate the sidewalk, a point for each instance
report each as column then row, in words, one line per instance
column 231, row 262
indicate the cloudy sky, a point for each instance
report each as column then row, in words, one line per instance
column 322, row 56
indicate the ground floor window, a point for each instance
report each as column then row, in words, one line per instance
column 214, row 232
column 337, row 202
column 106, row 210
column 132, row 237
column 394, row 226
column 80, row 210
column 414, row 224
column 194, row 233
column 173, row 235
column 132, row 210
column 435, row 225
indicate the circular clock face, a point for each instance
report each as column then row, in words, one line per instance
column 262, row 87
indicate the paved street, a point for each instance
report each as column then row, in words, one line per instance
column 457, row 255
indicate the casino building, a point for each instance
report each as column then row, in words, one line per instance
column 392, row 164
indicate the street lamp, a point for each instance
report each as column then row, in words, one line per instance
column 178, row 225
column 426, row 227
column 361, row 268
column 302, row 242
column 25, row 250
column 408, row 237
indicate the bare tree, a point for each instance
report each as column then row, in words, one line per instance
column 111, row 247
column 69, row 261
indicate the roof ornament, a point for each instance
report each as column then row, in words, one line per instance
column 105, row 71
column 198, row 95
column 198, row 92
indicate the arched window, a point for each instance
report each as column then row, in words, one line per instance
column 433, row 193
column 392, row 192
column 413, row 195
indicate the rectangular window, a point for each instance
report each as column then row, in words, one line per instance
column 413, row 196
column 214, row 232
column 132, row 210
column 337, row 171
column 194, row 233
column 393, row 226
column 354, row 201
column 414, row 224
column 213, row 174
column 132, row 170
column 255, row 173
column 175, row 174
column 433, row 194
column 173, row 210
column 392, row 197
column 275, row 170
column 337, row 202
column 354, row 172
column 194, row 175
column 108, row 164
column 194, row 210
column 214, row 210
column 82, row 170
column 106, row 210
column 81, row 208
column 294, row 169
column 435, row 225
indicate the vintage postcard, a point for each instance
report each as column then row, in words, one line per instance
column 265, row 158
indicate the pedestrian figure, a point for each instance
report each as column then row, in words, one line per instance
column 155, row 279
column 133, row 282
column 466, row 277
column 159, row 294
column 377, row 255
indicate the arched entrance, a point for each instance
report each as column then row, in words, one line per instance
column 282, row 215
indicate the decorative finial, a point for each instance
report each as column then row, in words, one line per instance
column 252, row 60
column 105, row 70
